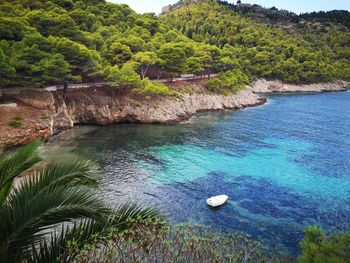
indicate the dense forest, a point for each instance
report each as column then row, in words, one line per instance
column 44, row 42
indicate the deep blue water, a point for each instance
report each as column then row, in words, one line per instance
column 284, row 165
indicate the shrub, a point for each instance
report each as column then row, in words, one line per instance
column 16, row 122
column 127, row 76
column 156, row 88
column 317, row 246
column 154, row 241
column 230, row 81
column 214, row 85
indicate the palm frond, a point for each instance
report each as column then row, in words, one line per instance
column 57, row 249
column 126, row 212
column 57, row 195
column 14, row 164
column 83, row 232
column 68, row 173
column 58, row 192
column 33, row 218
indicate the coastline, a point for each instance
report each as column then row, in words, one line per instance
column 48, row 113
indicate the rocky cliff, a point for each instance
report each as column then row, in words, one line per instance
column 276, row 86
column 47, row 113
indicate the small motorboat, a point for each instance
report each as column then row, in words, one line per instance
column 216, row 201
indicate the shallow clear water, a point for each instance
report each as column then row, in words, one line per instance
column 284, row 165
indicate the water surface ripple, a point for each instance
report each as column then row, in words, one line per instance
column 284, row 165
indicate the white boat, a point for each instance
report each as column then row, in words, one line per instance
column 216, row 201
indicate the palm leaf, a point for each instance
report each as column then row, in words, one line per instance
column 55, row 195
column 131, row 211
column 31, row 220
column 59, row 192
column 84, row 231
column 14, row 164
column 68, row 174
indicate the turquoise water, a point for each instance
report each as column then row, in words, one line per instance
column 284, row 165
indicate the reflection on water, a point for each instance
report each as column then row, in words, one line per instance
column 284, row 165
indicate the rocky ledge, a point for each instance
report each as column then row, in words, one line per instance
column 276, row 86
column 45, row 113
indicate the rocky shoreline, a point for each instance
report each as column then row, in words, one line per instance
column 47, row 113
column 263, row 86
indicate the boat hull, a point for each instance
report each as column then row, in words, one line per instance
column 216, row 201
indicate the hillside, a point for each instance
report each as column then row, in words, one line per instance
column 44, row 42
column 265, row 49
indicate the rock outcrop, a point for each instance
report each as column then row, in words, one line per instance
column 276, row 86
column 105, row 106
column 33, row 108
column 46, row 113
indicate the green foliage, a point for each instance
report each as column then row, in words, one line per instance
column 199, row 37
column 154, row 241
column 53, row 68
column 7, row 71
column 11, row 29
column 50, row 196
column 141, row 61
column 83, row 60
column 53, row 205
column 173, row 58
column 156, row 88
column 337, row 16
column 318, row 247
column 230, row 81
column 127, row 76
column 16, row 122
column 262, row 50
column 119, row 53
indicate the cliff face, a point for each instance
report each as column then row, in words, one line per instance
column 276, row 86
column 34, row 108
column 106, row 106
column 47, row 113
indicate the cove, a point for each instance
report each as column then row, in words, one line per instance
column 284, row 165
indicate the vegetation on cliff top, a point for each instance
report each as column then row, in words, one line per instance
column 43, row 42
column 314, row 54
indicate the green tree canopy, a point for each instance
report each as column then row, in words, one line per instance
column 119, row 53
column 142, row 61
column 173, row 57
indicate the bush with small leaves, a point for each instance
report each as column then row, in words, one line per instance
column 317, row 246
column 156, row 241
column 16, row 122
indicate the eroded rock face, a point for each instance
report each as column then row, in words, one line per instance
column 47, row 113
column 265, row 86
column 24, row 136
column 39, row 99
column 105, row 106
column 34, row 109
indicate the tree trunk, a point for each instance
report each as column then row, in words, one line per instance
column 159, row 74
column 144, row 71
